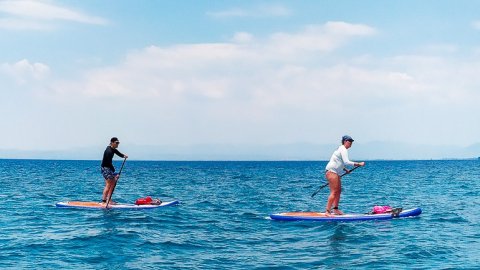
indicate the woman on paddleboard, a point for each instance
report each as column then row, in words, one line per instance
column 335, row 166
column 108, row 171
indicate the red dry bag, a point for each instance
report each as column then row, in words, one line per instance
column 146, row 200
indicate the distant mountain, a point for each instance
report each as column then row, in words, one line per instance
column 399, row 151
column 298, row 151
column 236, row 152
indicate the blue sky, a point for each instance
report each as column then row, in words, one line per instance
column 75, row 73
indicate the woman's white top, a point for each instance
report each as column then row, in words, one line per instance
column 339, row 160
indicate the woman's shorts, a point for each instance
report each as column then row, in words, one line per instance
column 108, row 173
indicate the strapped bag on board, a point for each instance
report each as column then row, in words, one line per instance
column 384, row 209
column 147, row 200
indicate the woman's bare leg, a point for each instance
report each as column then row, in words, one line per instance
column 334, row 184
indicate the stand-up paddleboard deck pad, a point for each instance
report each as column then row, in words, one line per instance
column 318, row 216
column 97, row 205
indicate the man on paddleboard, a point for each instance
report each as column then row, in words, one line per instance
column 108, row 171
column 335, row 166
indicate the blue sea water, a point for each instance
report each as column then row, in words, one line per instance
column 222, row 221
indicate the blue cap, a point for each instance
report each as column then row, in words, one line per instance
column 347, row 138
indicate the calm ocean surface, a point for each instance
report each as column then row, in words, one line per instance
column 221, row 222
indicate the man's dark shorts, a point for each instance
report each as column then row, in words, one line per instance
column 108, row 173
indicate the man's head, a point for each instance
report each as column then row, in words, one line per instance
column 114, row 142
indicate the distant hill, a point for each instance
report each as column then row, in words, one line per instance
column 384, row 150
column 299, row 151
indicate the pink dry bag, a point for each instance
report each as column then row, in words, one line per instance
column 377, row 209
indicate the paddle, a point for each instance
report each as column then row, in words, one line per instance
column 110, row 197
column 320, row 188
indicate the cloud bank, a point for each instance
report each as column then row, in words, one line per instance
column 287, row 87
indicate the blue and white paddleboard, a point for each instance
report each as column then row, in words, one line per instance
column 97, row 205
column 318, row 216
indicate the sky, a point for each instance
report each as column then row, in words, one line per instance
column 258, row 73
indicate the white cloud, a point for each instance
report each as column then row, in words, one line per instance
column 23, row 71
column 282, row 70
column 323, row 38
column 219, row 70
column 39, row 15
column 257, row 12
column 24, row 24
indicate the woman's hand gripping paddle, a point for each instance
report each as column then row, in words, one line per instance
column 114, row 185
column 320, row 188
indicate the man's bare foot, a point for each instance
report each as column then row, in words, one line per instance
column 337, row 211
column 110, row 203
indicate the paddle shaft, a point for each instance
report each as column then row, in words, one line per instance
column 114, row 185
column 320, row 188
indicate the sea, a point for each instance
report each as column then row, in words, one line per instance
column 223, row 219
